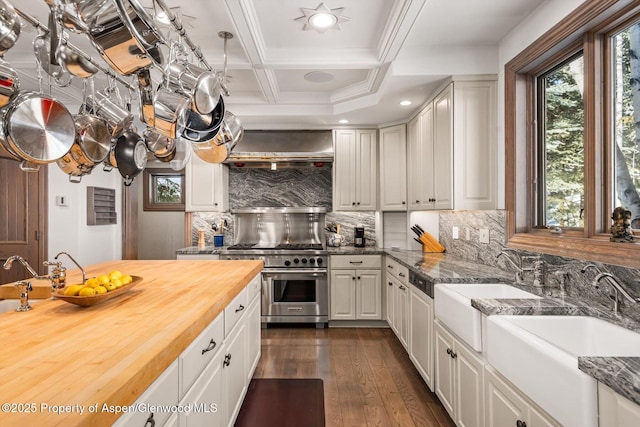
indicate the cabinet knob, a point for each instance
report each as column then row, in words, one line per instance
column 404, row 203
column 358, row 203
column 353, row 203
column 454, row 354
column 390, row 284
column 353, row 278
column 449, row 351
column 358, row 277
column 521, row 424
column 227, row 359
column 417, row 201
column 215, row 204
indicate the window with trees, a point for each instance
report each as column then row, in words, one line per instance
column 572, row 135
column 163, row 190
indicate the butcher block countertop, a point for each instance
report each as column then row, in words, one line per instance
column 62, row 357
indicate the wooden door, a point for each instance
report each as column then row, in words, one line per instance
column 23, row 218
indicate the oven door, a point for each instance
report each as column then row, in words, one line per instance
column 295, row 295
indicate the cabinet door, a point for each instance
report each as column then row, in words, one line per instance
column 368, row 294
column 421, row 334
column 426, row 159
column 615, row 410
column 343, row 295
column 253, row 337
column 503, row 405
column 206, row 185
column 469, row 373
column 366, row 167
column 474, row 144
column 233, row 372
column 205, row 398
column 401, row 311
column 444, row 370
column 393, row 164
column 414, row 164
column 442, row 149
column 344, row 182
column 388, row 287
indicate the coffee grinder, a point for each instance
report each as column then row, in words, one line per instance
column 358, row 239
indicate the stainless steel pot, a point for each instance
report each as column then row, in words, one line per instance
column 139, row 23
column 203, row 127
column 169, row 111
column 9, row 27
column 210, row 152
column 117, row 118
column 131, row 155
column 38, row 129
column 202, row 86
column 75, row 63
column 160, row 146
column 9, row 83
column 71, row 167
column 41, row 48
column 231, row 131
column 113, row 39
column 92, row 143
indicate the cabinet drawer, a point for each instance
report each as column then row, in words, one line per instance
column 356, row 261
column 163, row 392
column 397, row 270
column 195, row 357
column 234, row 311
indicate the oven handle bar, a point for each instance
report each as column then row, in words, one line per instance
column 314, row 272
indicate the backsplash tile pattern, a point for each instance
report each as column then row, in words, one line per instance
column 308, row 186
column 205, row 220
column 348, row 221
column 558, row 269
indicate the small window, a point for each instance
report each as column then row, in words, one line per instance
column 163, row 190
column 626, row 118
column 560, row 165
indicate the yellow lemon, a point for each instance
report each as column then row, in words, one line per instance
column 87, row 291
column 110, row 286
column 103, row 279
column 117, row 282
column 115, row 274
column 92, row 282
column 100, row 290
column 126, row 279
column 72, row 290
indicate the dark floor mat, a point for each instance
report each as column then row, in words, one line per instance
column 283, row 402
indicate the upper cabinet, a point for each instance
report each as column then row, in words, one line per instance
column 451, row 149
column 393, row 163
column 206, row 186
column 355, row 170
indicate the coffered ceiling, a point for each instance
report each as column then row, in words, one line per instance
column 386, row 52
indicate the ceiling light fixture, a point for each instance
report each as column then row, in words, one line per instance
column 343, row 121
column 405, row 103
column 322, row 18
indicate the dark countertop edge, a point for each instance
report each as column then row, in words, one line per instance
column 621, row 374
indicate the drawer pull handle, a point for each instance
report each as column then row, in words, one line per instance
column 227, row 359
column 150, row 421
column 402, row 288
column 521, row 424
column 389, row 266
column 240, row 308
column 402, row 275
column 390, row 284
column 449, row 351
column 212, row 345
column 355, row 262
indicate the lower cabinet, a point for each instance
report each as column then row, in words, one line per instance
column 356, row 293
column 459, row 380
column 421, row 333
column 615, row 410
column 400, row 311
column 208, row 381
column 507, row 406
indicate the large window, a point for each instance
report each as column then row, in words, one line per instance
column 572, row 135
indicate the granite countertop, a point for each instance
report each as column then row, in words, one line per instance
column 622, row 374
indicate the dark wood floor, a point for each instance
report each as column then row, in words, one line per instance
column 368, row 377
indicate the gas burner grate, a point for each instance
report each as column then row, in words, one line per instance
column 241, row 246
column 300, row 246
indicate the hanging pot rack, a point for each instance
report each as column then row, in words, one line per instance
column 110, row 73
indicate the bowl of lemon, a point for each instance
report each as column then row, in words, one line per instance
column 97, row 289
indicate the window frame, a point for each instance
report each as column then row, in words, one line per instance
column 148, row 190
column 584, row 29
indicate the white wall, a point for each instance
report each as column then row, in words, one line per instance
column 68, row 229
column 536, row 24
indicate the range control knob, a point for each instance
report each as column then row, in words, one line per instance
column 304, row 260
column 312, row 261
column 319, row 261
column 296, row 260
column 287, row 263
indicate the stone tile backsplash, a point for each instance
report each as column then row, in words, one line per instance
column 558, row 269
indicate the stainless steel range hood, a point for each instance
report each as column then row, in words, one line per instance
column 285, row 148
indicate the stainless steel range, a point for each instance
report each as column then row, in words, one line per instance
column 290, row 241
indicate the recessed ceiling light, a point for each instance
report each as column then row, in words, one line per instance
column 322, row 18
column 318, row 76
column 343, row 121
column 404, row 103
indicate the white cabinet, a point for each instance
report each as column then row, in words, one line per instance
column 451, row 148
column 356, row 293
column 616, row 410
column 355, row 170
column 397, row 277
column 206, row 186
column 421, row 333
column 459, row 377
column 506, row 406
column 393, row 163
column 234, row 378
column 206, row 398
